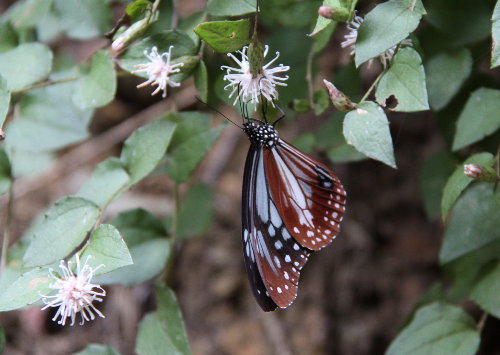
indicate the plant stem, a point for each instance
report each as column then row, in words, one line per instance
column 173, row 236
column 482, row 321
column 44, row 84
column 370, row 89
column 6, row 230
column 310, row 95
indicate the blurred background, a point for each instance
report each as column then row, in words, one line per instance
column 353, row 296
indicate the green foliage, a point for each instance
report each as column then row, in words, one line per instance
column 458, row 181
column 434, row 174
column 485, row 292
column 479, row 118
column 495, row 34
column 446, row 73
column 231, row 7
column 64, row 226
column 474, row 223
column 5, row 172
column 385, row 26
column 191, row 141
column 4, row 100
column 405, row 80
column 225, row 36
column 25, row 65
column 162, row 331
column 145, row 147
column 367, row 130
column 438, row 328
column 145, row 237
column 97, row 84
column 25, row 290
column 98, row 349
column 196, row 215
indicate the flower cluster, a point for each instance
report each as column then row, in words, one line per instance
column 350, row 41
column 159, row 70
column 75, row 293
column 251, row 87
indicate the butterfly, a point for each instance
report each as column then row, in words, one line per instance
column 292, row 206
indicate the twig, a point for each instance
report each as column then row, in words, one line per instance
column 6, row 228
column 309, row 78
column 365, row 96
column 44, row 84
column 482, row 321
column 88, row 150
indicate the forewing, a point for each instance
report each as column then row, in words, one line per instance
column 267, row 242
column 308, row 196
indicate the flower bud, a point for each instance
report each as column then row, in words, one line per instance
column 337, row 13
column 325, row 11
column 340, row 101
column 480, row 173
column 130, row 35
column 472, row 170
column 255, row 56
column 2, row 135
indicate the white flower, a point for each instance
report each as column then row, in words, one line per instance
column 75, row 293
column 158, row 70
column 352, row 36
column 250, row 88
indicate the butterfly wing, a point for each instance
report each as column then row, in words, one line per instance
column 309, row 198
column 273, row 258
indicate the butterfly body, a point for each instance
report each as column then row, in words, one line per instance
column 291, row 206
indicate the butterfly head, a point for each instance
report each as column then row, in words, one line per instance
column 261, row 134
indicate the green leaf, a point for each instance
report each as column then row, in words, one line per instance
column 367, row 130
column 405, row 79
column 434, row 173
column 321, row 101
column 446, row 73
column 385, row 26
column 145, row 237
column 138, row 225
column 145, row 147
column 436, row 329
column 224, row 36
column 25, row 290
column 150, row 258
column 475, row 222
column 453, row 17
column 25, row 65
column 5, row 172
column 84, row 19
column 8, row 37
column 495, row 34
column 46, row 120
column 188, row 24
column 289, row 13
column 486, row 293
column 201, row 81
column 231, row 7
column 106, row 247
column 106, row 183
column 196, row 215
column 3, row 340
column 191, row 141
column 26, row 14
column 97, row 85
column 137, row 9
column 64, row 227
column 183, row 46
column 343, row 9
column 4, row 100
column 479, row 118
column 322, row 39
column 163, row 331
column 98, row 349
column 468, row 269
column 458, row 181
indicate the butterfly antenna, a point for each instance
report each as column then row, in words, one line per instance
column 282, row 114
column 220, row 113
